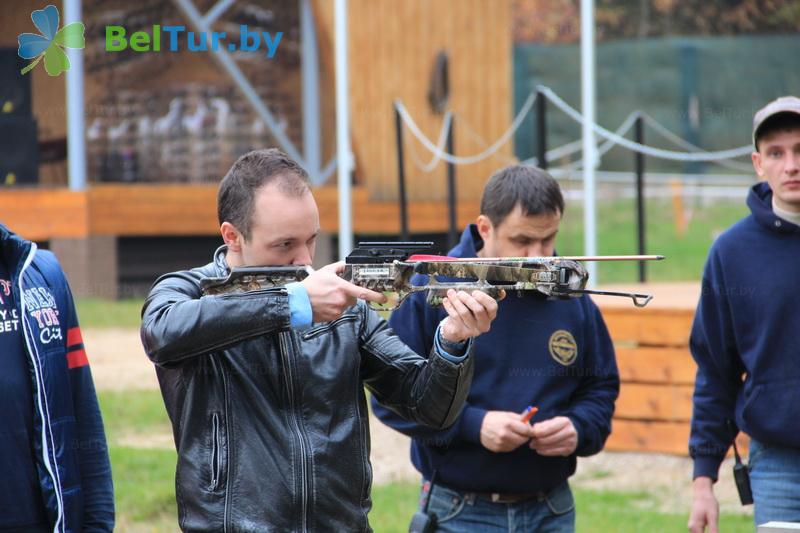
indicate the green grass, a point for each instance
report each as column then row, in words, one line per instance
column 392, row 507
column 131, row 414
column 616, row 234
column 621, row 512
column 144, row 489
column 144, row 478
column 100, row 313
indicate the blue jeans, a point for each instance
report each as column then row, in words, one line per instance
column 464, row 511
column 775, row 481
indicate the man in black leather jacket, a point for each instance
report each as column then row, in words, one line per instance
column 265, row 389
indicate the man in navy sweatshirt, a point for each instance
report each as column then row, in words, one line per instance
column 746, row 334
column 492, row 471
column 56, row 475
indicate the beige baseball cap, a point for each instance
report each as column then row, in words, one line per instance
column 784, row 104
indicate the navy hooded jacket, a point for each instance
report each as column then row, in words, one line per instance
column 747, row 324
column 69, row 444
column 552, row 354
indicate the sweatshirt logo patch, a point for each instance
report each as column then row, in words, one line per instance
column 563, row 347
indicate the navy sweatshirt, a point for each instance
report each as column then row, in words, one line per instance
column 747, row 323
column 553, row 354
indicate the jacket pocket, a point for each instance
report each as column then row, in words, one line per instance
column 771, row 411
column 324, row 328
column 217, row 452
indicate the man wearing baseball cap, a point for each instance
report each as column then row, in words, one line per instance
column 746, row 334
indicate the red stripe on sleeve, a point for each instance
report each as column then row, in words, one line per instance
column 77, row 358
column 74, row 336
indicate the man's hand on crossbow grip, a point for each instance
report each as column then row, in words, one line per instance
column 469, row 315
column 330, row 295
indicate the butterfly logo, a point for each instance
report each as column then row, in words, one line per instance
column 51, row 43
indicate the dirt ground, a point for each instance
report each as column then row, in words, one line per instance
column 119, row 363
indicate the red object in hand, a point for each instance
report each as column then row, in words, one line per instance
column 528, row 414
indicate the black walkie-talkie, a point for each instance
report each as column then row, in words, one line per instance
column 422, row 521
column 741, row 475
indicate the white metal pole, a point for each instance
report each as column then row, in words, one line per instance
column 76, row 128
column 589, row 152
column 309, row 68
column 343, row 154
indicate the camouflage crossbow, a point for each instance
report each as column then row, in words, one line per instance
column 389, row 266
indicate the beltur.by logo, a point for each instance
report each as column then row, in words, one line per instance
column 176, row 38
column 50, row 44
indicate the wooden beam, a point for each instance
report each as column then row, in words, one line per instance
column 41, row 214
column 649, row 327
column 656, row 365
column 671, row 403
column 130, row 210
column 644, row 436
column 657, row 437
column 174, row 209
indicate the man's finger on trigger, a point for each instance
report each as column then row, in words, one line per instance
column 336, row 267
column 364, row 294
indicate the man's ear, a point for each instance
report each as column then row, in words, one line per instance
column 756, row 157
column 231, row 236
column 484, row 226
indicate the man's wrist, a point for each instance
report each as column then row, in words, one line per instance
column 454, row 347
column 443, row 336
column 702, row 484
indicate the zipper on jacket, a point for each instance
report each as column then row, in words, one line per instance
column 215, row 452
column 41, row 397
column 304, row 469
column 220, row 443
column 226, row 513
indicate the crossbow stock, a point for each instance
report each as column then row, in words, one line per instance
column 388, row 267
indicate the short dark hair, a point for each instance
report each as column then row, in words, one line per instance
column 253, row 170
column 533, row 189
column 777, row 122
